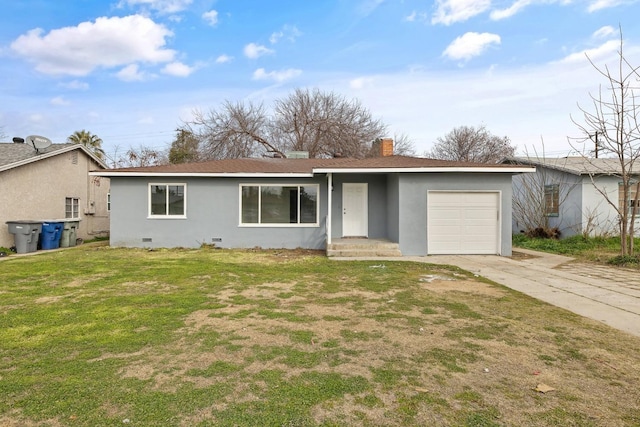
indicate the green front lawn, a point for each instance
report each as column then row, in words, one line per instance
column 96, row 336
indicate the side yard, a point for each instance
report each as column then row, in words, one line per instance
column 101, row 336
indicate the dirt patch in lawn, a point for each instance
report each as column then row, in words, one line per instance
column 465, row 286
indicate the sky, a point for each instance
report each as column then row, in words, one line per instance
column 133, row 71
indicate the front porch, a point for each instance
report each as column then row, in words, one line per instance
column 362, row 247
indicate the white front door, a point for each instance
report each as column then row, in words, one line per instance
column 354, row 210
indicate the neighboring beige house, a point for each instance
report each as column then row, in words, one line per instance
column 52, row 184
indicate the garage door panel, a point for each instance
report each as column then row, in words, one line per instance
column 463, row 222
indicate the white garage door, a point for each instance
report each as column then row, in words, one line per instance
column 463, row 222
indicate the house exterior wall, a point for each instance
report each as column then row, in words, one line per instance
column 37, row 191
column 377, row 203
column 598, row 215
column 583, row 209
column 212, row 216
column 569, row 218
column 412, row 203
column 397, row 210
column 393, row 207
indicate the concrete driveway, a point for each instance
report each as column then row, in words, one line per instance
column 606, row 294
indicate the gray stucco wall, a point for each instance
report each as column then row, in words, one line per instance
column 393, row 207
column 413, row 190
column 397, row 211
column 377, row 203
column 569, row 218
column 212, row 214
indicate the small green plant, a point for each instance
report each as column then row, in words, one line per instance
column 624, row 260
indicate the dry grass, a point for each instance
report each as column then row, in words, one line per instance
column 291, row 338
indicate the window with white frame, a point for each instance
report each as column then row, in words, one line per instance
column 71, row 207
column 272, row 204
column 167, row 200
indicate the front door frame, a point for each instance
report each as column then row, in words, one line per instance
column 361, row 218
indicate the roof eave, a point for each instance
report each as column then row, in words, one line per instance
column 115, row 174
column 428, row 170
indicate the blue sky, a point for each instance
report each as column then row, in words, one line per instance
column 131, row 71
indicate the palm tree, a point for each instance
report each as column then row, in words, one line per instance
column 89, row 140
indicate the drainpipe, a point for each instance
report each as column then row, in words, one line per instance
column 329, row 204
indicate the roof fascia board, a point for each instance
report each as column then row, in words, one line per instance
column 427, row 169
column 114, row 174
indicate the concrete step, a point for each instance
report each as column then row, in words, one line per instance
column 351, row 253
column 360, row 248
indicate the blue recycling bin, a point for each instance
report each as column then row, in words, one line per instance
column 50, row 235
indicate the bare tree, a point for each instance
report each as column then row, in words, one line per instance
column 538, row 198
column 321, row 123
column 235, row 130
column 3, row 135
column 142, row 156
column 613, row 123
column 471, row 144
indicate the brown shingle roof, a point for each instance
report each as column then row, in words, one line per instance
column 298, row 166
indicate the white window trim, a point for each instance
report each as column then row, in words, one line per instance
column 278, row 225
column 166, row 184
column 77, row 211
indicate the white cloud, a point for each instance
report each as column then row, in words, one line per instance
column 604, row 32
column 211, row 17
column 597, row 5
column 277, row 76
column 178, row 69
column 107, row 42
column 36, row 118
column 288, row 32
column 75, row 85
column 470, row 44
column 594, row 54
column 59, row 101
column 163, row 6
column 224, row 59
column 516, row 7
column 253, row 50
column 416, row 17
column 360, row 82
column 131, row 73
column 451, row 11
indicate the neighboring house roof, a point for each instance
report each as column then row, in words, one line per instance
column 308, row 167
column 572, row 165
column 13, row 155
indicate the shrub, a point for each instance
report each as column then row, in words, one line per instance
column 543, row 233
column 622, row 260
